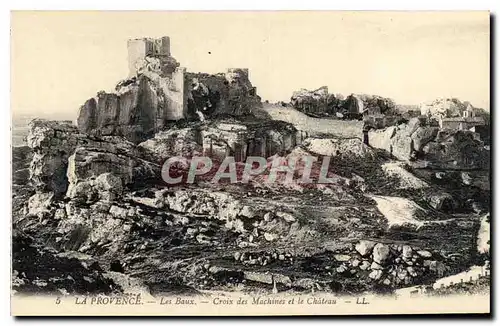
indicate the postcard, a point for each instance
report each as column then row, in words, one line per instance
column 262, row 163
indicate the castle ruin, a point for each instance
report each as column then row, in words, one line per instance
column 158, row 90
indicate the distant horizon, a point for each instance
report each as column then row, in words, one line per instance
column 60, row 59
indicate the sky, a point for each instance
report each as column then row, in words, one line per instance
column 60, row 59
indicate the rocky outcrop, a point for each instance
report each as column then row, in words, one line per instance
column 320, row 103
column 229, row 93
column 444, row 108
column 184, row 142
column 63, row 156
column 136, row 111
column 315, row 102
column 52, row 143
column 353, row 147
column 456, row 150
column 430, row 146
column 443, row 202
column 144, row 105
column 369, row 104
column 221, row 139
column 98, row 195
column 105, row 172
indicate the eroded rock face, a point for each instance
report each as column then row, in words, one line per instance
column 320, row 103
column 373, row 104
column 183, row 142
column 229, row 93
column 63, row 156
column 315, row 102
column 21, row 159
column 52, row 143
column 124, row 167
column 137, row 110
column 434, row 147
column 221, row 139
column 106, row 187
column 444, row 108
column 338, row 147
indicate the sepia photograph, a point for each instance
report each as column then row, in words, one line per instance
column 256, row 163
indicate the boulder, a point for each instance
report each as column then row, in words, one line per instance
column 338, row 147
column 407, row 252
column 270, row 236
column 315, row 102
column 364, row 265
column 287, row 217
column 432, row 147
column 382, row 138
column 364, row 247
column 402, row 145
column 443, row 202
column 372, row 104
column 39, row 204
column 381, row 253
column 342, row 258
column 376, row 274
column 424, row 253
column 422, row 136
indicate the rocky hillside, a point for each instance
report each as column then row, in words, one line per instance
column 93, row 213
column 101, row 201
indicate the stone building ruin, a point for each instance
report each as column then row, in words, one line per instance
column 159, row 91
